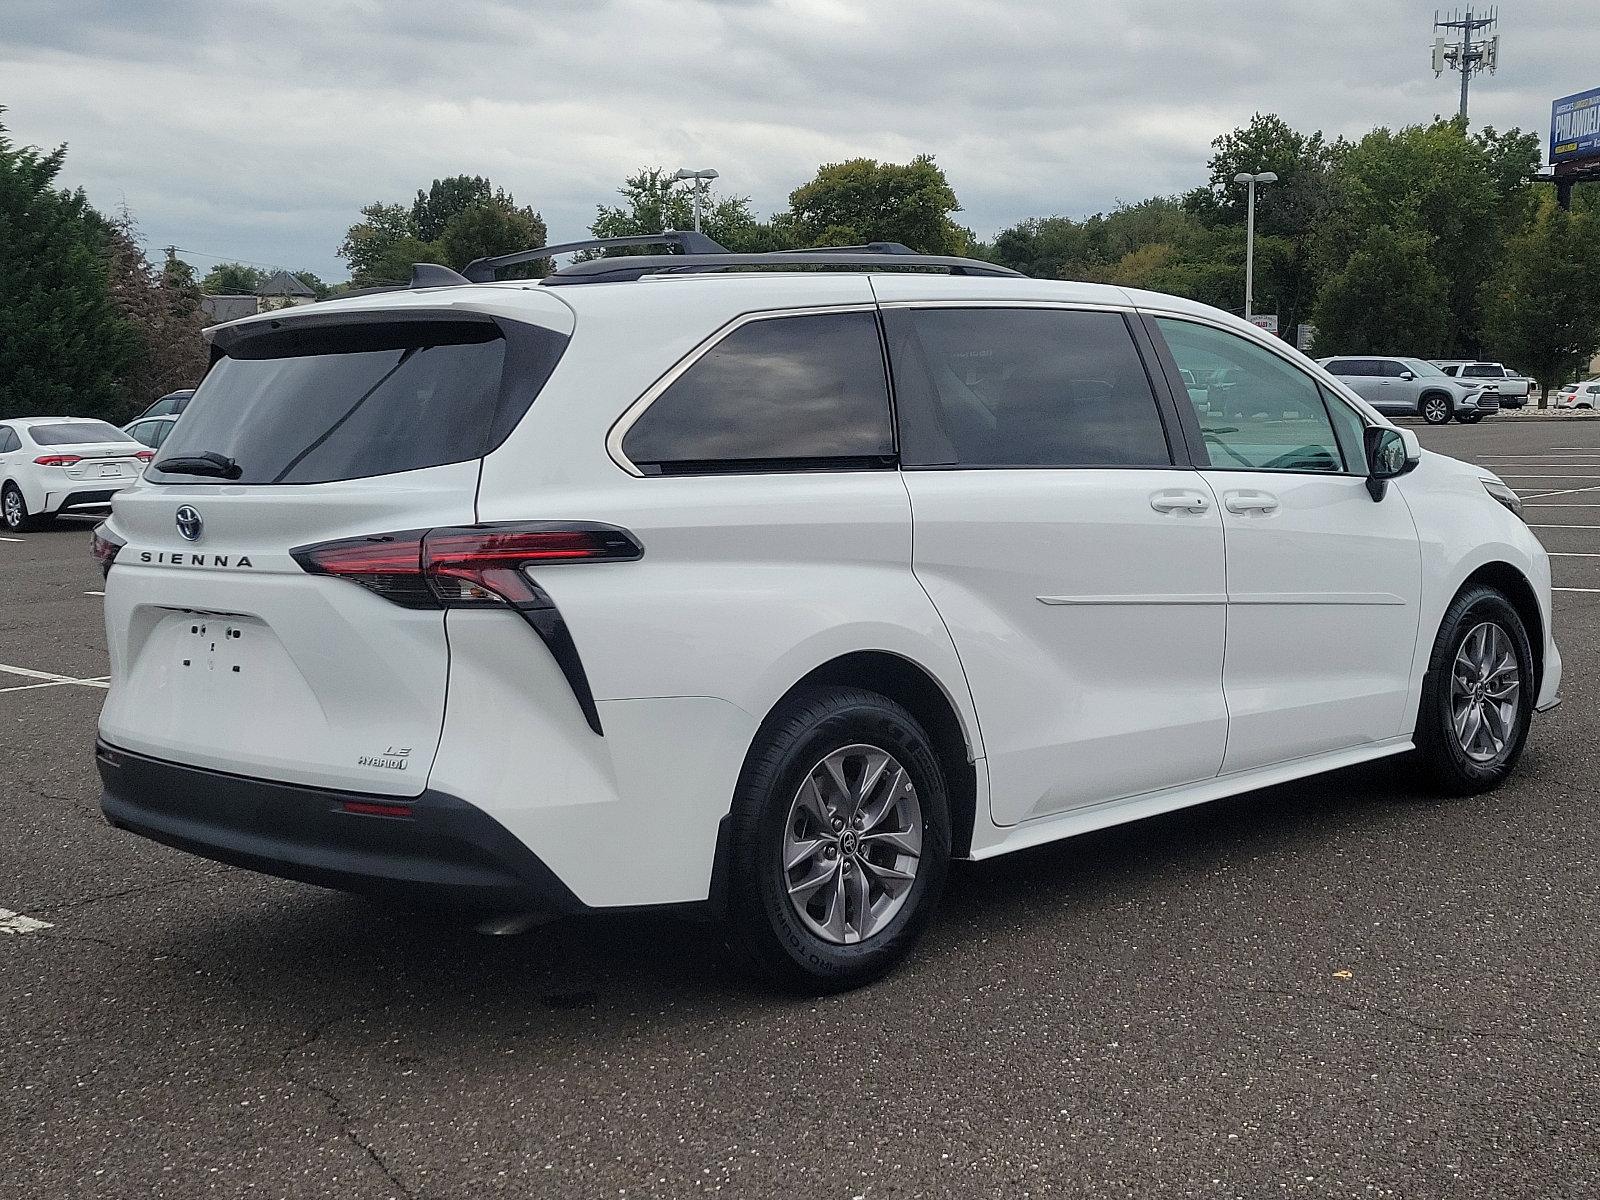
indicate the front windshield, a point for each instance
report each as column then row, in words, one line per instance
column 1419, row 367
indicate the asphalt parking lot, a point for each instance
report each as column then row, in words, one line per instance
column 1335, row 988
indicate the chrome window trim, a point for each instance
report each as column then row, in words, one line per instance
column 630, row 415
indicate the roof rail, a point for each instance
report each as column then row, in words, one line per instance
column 482, row 270
column 863, row 248
column 615, row 270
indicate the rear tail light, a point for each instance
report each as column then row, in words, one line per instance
column 465, row 566
column 58, row 460
column 370, row 808
column 104, row 545
column 146, row 456
column 475, row 566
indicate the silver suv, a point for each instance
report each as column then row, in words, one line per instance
column 1415, row 388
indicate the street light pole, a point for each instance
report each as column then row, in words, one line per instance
column 1250, row 235
column 697, row 180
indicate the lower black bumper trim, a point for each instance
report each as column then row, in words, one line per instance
column 447, row 853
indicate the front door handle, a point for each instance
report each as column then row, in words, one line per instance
column 1180, row 501
column 1250, row 502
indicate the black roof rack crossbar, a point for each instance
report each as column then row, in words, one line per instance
column 616, row 270
column 482, row 270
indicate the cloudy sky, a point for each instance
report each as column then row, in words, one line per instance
column 255, row 129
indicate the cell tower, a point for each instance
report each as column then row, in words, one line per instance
column 1469, row 55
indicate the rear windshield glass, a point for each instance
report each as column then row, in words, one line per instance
column 76, row 433
column 348, row 403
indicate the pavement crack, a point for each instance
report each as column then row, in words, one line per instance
column 337, row 1106
column 1400, row 1018
column 137, row 889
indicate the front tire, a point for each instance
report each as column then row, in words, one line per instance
column 1470, row 418
column 14, row 513
column 840, row 840
column 1477, row 697
column 1436, row 409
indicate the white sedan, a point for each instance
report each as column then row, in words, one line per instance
column 55, row 465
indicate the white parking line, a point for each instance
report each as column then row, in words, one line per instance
column 1556, row 589
column 1572, row 554
column 94, row 593
column 1531, row 525
column 6, row 539
column 52, row 677
column 1508, row 475
column 1557, row 492
column 11, row 922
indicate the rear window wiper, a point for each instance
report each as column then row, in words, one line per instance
column 208, row 463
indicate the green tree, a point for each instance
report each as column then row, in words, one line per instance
column 654, row 203
column 1542, row 306
column 1460, row 193
column 1291, row 210
column 433, row 209
column 1388, row 294
column 64, row 348
column 233, row 279
column 455, row 221
column 381, row 247
column 494, row 226
column 863, row 200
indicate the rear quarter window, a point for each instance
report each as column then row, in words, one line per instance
column 804, row 392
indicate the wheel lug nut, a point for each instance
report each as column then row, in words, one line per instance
column 831, row 852
column 838, row 823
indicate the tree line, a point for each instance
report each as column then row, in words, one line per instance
column 1428, row 240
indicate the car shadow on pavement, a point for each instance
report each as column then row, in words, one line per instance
column 348, row 952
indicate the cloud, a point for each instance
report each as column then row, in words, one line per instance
column 258, row 130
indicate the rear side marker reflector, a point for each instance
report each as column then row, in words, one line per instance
column 480, row 566
column 365, row 808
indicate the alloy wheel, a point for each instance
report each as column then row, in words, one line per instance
column 1436, row 412
column 852, row 844
column 13, row 508
column 1485, row 688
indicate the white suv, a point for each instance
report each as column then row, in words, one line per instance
column 669, row 581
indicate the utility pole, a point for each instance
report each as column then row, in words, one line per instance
column 1250, row 234
column 697, row 180
column 1470, row 55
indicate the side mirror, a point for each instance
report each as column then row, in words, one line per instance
column 1390, row 454
column 1408, row 375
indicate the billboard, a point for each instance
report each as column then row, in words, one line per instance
column 1575, row 127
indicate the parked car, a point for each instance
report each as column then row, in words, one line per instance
column 632, row 587
column 170, row 405
column 151, row 431
column 1513, row 389
column 1413, row 387
column 1585, row 394
column 50, row 466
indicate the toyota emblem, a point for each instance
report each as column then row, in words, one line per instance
column 189, row 523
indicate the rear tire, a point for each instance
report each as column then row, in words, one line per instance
column 1477, row 697
column 1435, row 409
column 825, row 754
column 14, row 513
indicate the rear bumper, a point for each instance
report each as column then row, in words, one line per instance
column 95, row 496
column 446, row 853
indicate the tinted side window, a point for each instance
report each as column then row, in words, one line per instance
column 1391, row 368
column 9, row 441
column 1481, row 372
column 1022, row 387
column 1258, row 412
column 1357, row 367
column 779, row 392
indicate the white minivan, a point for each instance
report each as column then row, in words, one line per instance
column 772, row 584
